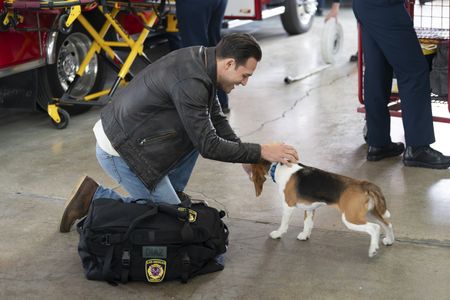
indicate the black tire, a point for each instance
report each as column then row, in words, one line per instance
column 64, row 116
column 298, row 16
column 71, row 48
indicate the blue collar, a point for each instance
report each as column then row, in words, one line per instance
column 272, row 171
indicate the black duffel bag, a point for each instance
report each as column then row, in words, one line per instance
column 121, row 242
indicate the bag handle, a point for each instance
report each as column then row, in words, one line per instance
column 187, row 234
column 150, row 213
column 174, row 211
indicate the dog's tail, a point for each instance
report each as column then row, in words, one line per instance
column 378, row 206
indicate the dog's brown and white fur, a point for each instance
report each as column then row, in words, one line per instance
column 310, row 188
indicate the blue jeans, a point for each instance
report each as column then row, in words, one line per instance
column 165, row 190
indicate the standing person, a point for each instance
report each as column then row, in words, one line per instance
column 390, row 45
column 199, row 24
column 150, row 135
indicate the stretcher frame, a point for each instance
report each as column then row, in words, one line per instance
column 424, row 35
column 155, row 10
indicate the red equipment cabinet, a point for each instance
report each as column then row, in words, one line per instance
column 432, row 24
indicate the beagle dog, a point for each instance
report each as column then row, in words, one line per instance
column 310, row 188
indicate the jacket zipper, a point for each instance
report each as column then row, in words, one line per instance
column 159, row 137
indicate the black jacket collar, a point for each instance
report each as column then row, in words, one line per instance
column 211, row 65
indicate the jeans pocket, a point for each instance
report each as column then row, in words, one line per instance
column 115, row 174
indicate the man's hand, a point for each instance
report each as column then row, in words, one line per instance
column 333, row 12
column 279, row 152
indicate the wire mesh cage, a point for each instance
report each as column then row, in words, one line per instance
column 431, row 19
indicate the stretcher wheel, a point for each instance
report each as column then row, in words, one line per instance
column 64, row 116
column 62, row 24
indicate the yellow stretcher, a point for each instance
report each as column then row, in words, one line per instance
column 154, row 11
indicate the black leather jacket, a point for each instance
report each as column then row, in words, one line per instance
column 169, row 109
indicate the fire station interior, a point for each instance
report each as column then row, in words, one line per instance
column 318, row 115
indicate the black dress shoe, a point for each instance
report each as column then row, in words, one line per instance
column 378, row 153
column 425, row 157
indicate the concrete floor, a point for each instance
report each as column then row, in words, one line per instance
column 39, row 166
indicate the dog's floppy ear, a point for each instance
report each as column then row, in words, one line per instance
column 258, row 177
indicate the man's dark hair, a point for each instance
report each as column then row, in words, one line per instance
column 240, row 47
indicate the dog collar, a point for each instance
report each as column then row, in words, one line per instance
column 272, row 171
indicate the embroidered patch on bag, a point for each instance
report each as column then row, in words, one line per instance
column 155, row 270
column 192, row 214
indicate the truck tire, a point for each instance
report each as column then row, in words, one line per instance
column 71, row 48
column 298, row 15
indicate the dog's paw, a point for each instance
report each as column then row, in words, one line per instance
column 372, row 253
column 275, row 234
column 302, row 236
column 373, row 250
column 387, row 241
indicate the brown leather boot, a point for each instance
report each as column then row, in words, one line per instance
column 78, row 203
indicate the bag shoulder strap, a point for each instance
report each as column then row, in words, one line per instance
column 150, row 213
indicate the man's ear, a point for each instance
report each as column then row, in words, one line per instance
column 258, row 178
column 229, row 63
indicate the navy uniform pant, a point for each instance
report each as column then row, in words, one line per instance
column 390, row 45
column 200, row 21
column 199, row 24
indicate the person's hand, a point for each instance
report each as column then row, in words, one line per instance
column 248, row 169
column 279, row 152
column 333, row 12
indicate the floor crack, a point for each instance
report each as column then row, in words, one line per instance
column 307, row 93
column 34, row 196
